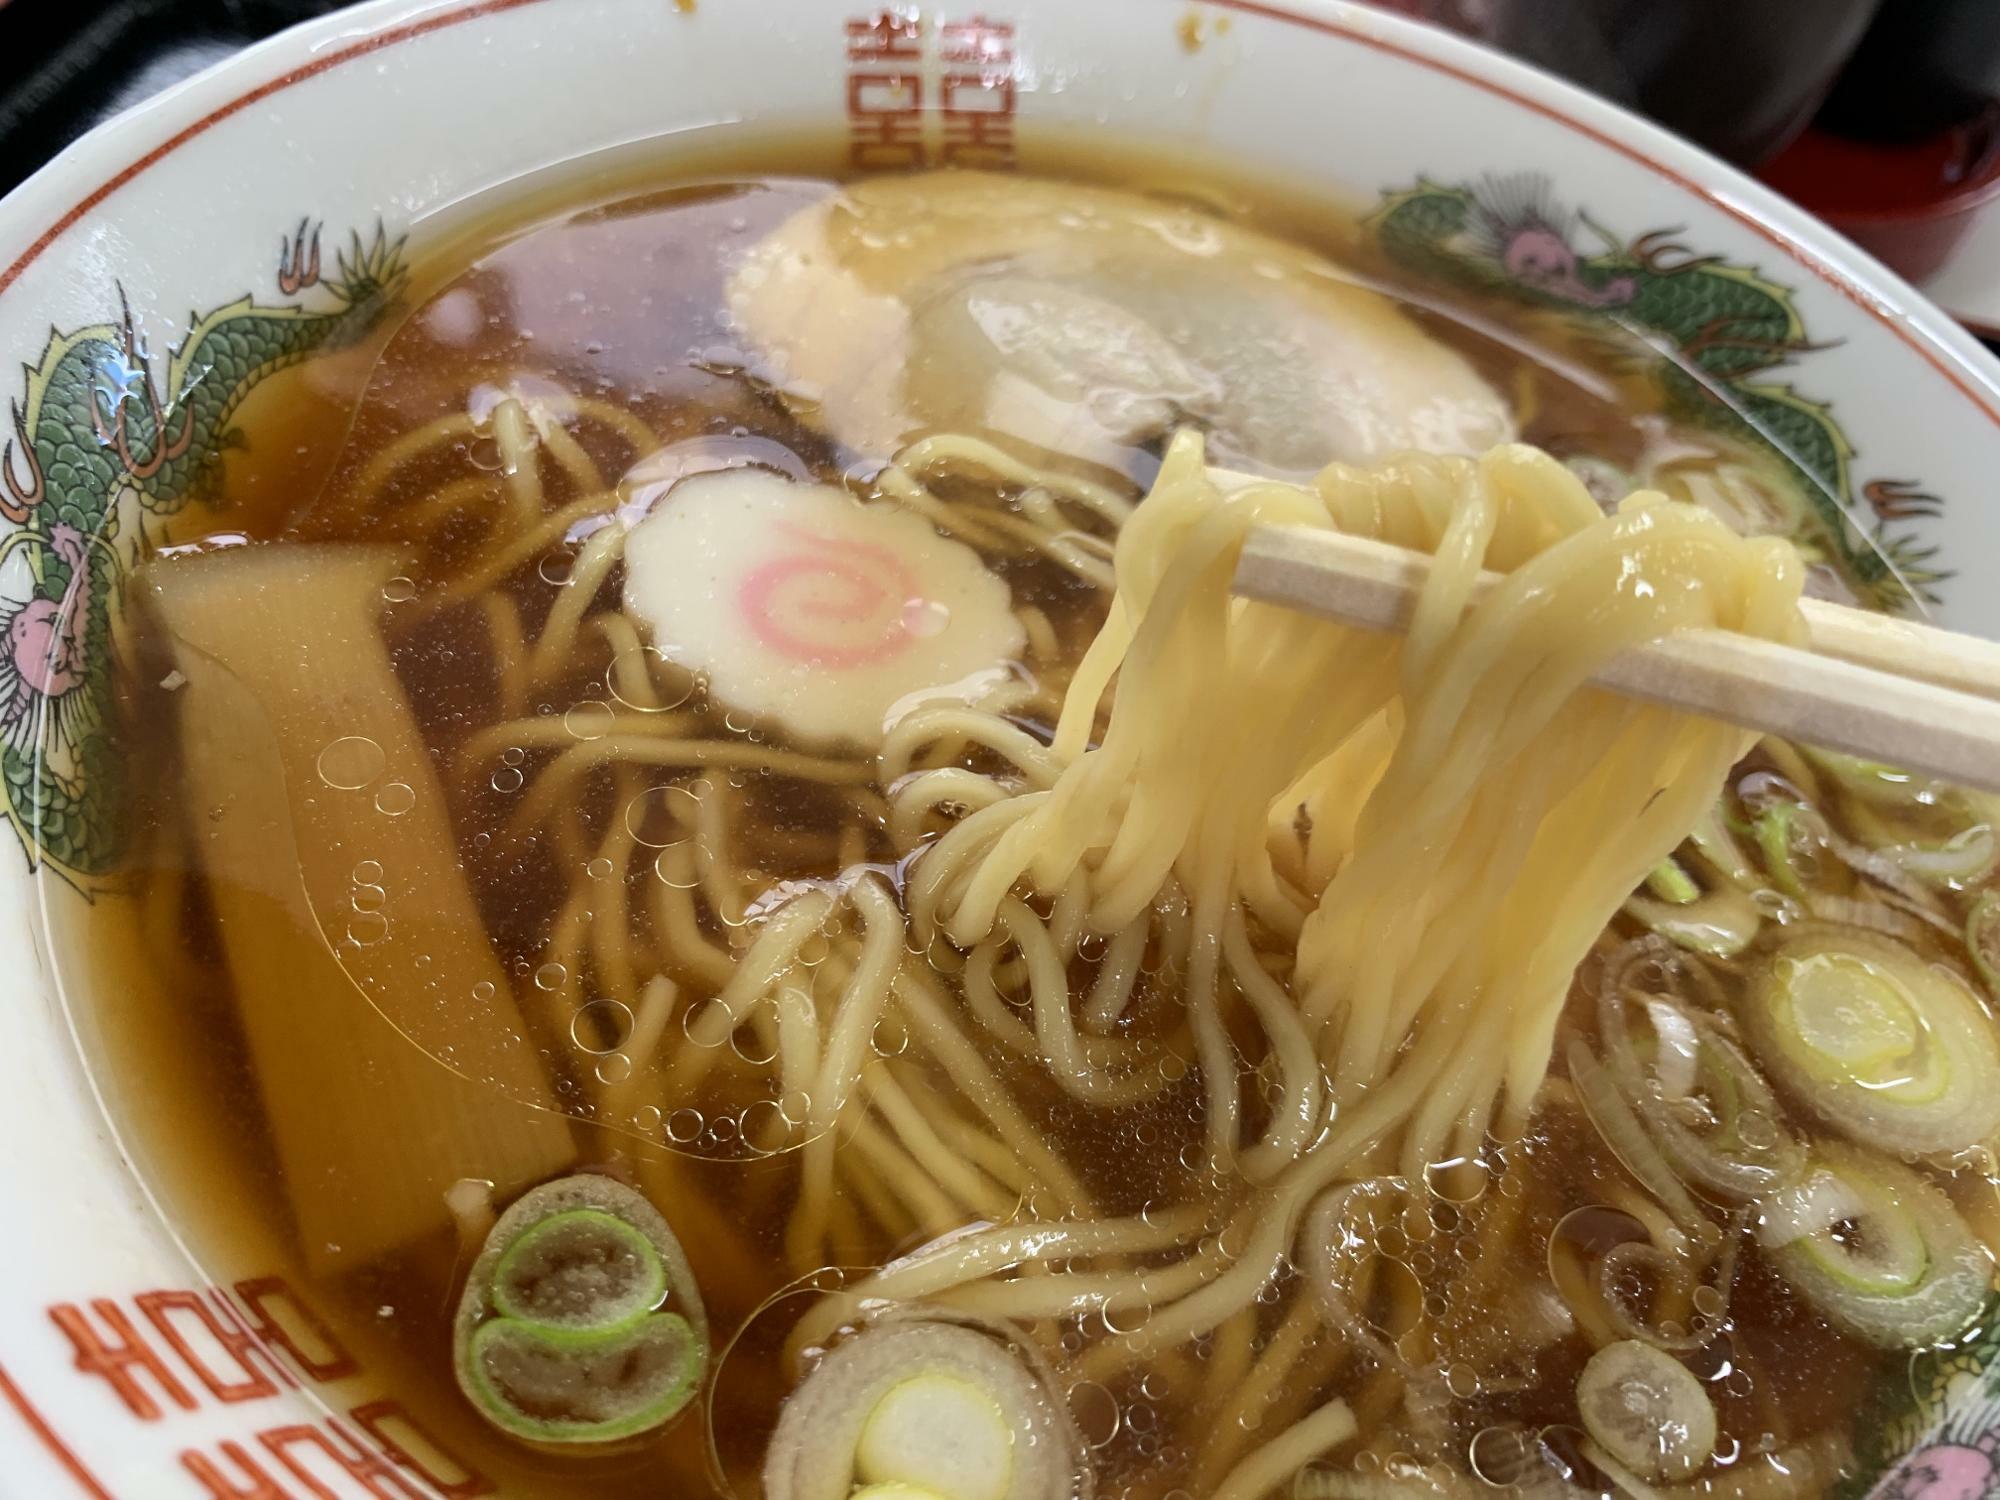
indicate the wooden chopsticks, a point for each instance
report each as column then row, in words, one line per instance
column 1888, row 690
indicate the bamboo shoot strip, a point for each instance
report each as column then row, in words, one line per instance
column 282, row 659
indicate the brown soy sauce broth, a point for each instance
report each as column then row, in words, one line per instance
column 615, row 296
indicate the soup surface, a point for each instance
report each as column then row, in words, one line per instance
column 550, row 726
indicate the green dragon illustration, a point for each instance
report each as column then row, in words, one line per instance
column 96, row 452
column 1703, row 330
column 1707, row 334
column 1936, row 1434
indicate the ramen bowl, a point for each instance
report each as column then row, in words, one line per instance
column 153, row 1342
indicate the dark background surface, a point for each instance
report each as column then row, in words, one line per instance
column 1742, row 77
column 1739, row 75
column 66, row 64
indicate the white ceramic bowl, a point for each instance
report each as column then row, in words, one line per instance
column 126, row 1369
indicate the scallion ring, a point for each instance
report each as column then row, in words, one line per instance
column 1880, row 1252
column 1879, row 1043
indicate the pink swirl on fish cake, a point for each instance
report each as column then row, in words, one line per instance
column 841, row 585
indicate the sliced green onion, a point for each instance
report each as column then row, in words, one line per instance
column 1869, row 781
column 1646, row 1410
column 1631, row 1143
column 1722, row 923
column 1878, row 1043
column 1652, row 966
column 559, row 1338
column 1625, row 1484
column 1982, row 939
column 1728, row 1136
column 1716, row 844
column 1792, row 838
column 1866, row 911
column 923, row 1406
column 1966, row 857
column 581, row 1269
column 1877, row 1250
column 1673, row 884
column 1677, row 1053
column 1875, row 865
column 1321, row 1482
column 1339, row 1234
column 1714, row 1118
column 1941, row 834
column 1945, row 848
column 552, row 1385
column 899, row 1441
column 1638, row 1263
